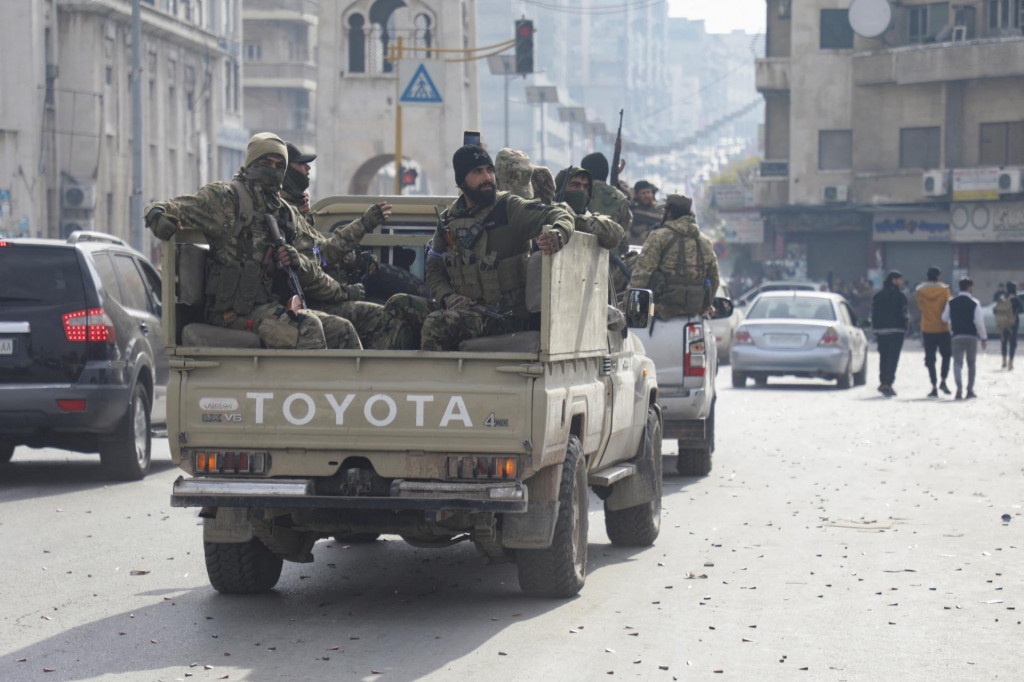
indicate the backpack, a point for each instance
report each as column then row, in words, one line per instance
column 1004, row 315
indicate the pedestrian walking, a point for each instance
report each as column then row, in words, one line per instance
column 931, row 299
column 889, row 320
column 963, row 314
column 1007, row 313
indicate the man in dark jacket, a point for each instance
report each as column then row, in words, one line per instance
column 889, row 320
column 963, row 314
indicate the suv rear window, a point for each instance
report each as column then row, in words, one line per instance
column 40, row 274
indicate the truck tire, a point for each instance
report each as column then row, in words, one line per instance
column 125, row 454
column 696, row 461
column 845, row 380
column 6, row 450
column 561, row 569
column 861, row 378
column 639, row 526
column 241, row 567
column 739, row 379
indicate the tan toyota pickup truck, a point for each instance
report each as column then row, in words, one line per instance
column 496, row 443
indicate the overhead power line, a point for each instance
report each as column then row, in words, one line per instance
column 595, row 10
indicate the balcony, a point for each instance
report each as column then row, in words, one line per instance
column 301, row 75
column 939, row 62
column 772, row 74
column 306, row 11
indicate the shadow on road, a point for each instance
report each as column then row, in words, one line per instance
column 26, row 477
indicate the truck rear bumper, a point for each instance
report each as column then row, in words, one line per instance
column 504, row 497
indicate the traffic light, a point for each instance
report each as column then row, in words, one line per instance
column 524, row 46
column 409, row 176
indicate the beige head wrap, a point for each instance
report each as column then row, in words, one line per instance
column 514, row 172
column 262, row 144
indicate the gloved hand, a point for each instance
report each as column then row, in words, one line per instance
column 162, row 225
column 455, row 301
column 288, row 256
column 355, row 292
column 375, row 216
column 550, row 241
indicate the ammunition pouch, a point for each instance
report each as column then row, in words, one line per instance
column 233, row 287
column 502, row 286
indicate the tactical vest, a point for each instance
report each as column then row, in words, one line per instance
column 679, row 291
column 605, row 199
column 240, row 285
column 497, row 282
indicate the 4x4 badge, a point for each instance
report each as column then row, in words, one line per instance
column 495, row 422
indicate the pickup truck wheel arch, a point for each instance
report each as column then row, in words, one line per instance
column 560, row 570
column 638, row 526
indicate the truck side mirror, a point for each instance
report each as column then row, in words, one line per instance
column 723, row 308
column 639, row 308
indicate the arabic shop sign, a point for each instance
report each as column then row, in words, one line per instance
column 988, row 222
column 917, row 227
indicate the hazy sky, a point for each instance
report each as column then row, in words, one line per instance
column 722, row 16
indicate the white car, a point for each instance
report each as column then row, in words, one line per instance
column 724, row 328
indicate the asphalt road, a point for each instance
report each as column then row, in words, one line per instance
column 841, row 536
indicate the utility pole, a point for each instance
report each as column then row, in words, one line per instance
column 135, row 202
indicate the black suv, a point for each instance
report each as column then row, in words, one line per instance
column 81, row 349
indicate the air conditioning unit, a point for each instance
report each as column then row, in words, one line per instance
column 74, row 225
column 80, row 195
column 959, row 34
column 837, row 193
column 1010, row 181
column 935, row 183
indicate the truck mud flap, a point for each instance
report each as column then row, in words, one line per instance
column 533, row 530
column 507, row 497
column 690, row 430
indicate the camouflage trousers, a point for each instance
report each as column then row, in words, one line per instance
column 392, row 326
column 446, row 329
column 305, row 330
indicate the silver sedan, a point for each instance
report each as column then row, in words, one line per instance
column 802, row 334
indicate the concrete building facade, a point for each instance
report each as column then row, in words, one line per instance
column 902, row 150
column 65, row 113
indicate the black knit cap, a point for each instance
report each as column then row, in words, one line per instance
column 468, row 157
column 643, row 184
column 597, row 164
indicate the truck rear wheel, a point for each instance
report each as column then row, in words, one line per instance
column 241, row 567
column 696, row 461
column 561, row 569
column 125, row 454
column 639, row 526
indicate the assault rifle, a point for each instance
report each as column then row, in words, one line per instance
column 297, row 301
column 491, row 311
column 617, row 156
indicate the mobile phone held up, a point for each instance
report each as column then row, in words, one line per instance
column 471, row 137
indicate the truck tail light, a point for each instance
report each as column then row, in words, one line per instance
column 230, row 462
column 88, row 325
column 483, row 467
column 830, row 338
column 694, row 357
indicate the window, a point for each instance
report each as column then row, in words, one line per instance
column 105, row 269
column 133, row 289
column 920, row 147
column 1002, row 144
column 835, row 149
column 836, row 33
column 356, row 44
column 917, row 24
column 1004, row 14
column 254, row 52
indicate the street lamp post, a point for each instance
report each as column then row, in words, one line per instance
column 503, row 65
column 572, row 115
column 542, row 94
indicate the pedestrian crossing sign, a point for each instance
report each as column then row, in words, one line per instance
column 421, row 83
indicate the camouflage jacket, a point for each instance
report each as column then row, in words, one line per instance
column 237, row 276
column 608, row 232
column 671, row 266
column 645, row 219
column 327, row 251
column 489, row 267
column 607, row 200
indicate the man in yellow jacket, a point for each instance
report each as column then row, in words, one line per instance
column 931, row 299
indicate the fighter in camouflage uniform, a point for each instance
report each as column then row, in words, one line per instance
column 604, row 198
column 244, row 289
column 678, row 264
column 514, row 173
column 479, row 253
column 646, row 212
column 576, row 197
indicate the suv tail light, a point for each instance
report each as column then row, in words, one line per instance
column 742, row 337
column 89, row 325
column 830, row 338
column 694, row 358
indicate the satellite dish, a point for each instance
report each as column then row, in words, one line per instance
column 870, row 18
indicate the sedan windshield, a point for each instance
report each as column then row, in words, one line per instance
column 792, row 308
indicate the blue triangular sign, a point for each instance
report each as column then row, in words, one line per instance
column 421, row 88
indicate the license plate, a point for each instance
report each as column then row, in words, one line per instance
column 6, row 346
column 785, row 340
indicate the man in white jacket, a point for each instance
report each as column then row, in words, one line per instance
column 963, row 314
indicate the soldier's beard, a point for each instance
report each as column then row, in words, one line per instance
column 483, row 194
